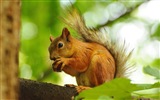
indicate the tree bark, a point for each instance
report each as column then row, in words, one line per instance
column 34, row 90
column 9, row 47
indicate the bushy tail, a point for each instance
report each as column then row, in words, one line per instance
column 117, row 50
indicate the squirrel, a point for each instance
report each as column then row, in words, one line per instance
column 94, row 60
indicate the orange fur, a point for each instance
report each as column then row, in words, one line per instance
column 91, row 63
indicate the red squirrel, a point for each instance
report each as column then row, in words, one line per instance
column 95, row 60
column 91, row 63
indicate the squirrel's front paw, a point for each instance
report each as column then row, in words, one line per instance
column 59, row 64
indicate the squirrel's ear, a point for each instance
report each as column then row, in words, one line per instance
column 51, row 38
column 65, row 34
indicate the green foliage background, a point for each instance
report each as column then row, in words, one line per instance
column 40, row 19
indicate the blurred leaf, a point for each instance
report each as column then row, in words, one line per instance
column 153, row 93
column 51, row 78
column 156, row 85
column 148, row 86
column 119, row 88
column 39, row 20
column 152, row 71
column 156, row 33
column 83, row 6
column 156, row 63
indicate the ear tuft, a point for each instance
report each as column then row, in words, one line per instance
column 65, row 34
column 51, row 38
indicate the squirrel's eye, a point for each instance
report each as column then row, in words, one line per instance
column 60, row 45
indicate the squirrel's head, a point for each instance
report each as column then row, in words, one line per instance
column 61, row 46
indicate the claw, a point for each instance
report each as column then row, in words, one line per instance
column 58, row 59
column 62, row 66
column 82, row 88
column 78, row 88
column 70, row 85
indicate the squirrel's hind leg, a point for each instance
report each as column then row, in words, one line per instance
column 101, row 69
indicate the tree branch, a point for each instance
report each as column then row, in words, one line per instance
column 125, row 15
column 33, row 90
